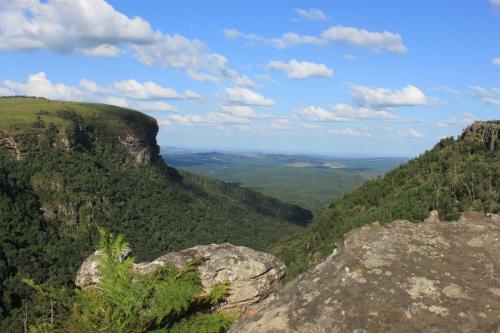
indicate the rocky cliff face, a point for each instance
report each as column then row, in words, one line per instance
column 401, row 277
column 253, row 276
column 484, row 132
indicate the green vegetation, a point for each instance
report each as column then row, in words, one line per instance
column 126, row 301
column 26, row 115
column 455, row 176
column 309, row 181
column 52, row 201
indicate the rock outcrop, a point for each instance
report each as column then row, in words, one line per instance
column 484, row 132
column 253, row 276
column 401, row 277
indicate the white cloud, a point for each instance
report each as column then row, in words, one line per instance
column 178, row 52
column 38, row 85
column 496, row 61
column 349, row 132
column 301, row 69
column 374, row 41
column 5, row 92
column 312, row 14
column 213, row 118
column 154, row 106
column 239, row 111
column 141, row 96
column 383, row 98
column 342, row 113
column 495, row 2
column 136, row 90
column 459, row 121
column 487, row 96
column 88, row 26
column 95, row 28
column 290, row 39
column 244, row 96
column 146, row 90
column 411, row 134
column 104, row 50
column 314, row 113
column 350, row 112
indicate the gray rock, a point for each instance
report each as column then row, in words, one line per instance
column 253, row 276
column 401, row 277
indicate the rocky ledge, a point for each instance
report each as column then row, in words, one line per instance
column 483, row 132
column 401, row 277
column 253, row 276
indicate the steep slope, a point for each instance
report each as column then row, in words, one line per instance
column 457, row 175
column 66, row 168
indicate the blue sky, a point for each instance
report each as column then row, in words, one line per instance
column 345, row 77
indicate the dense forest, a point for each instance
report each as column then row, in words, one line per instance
column 456, row 176
column 53, row 200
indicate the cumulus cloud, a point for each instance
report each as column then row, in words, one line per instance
column 312, row 14
column 246, row 97
column 342, row 112
column 496, row 61
column 350, row 112
column 146, row 90
column 190, row 56
column 86, row 26
column 141, row 96
column 239, row 111
column 495, row 2
column 5, row 92
column 301, row 69
column 315, row 113
column 95, row 28
column 383, row 98
column 136, row 90
column 39, row 85
column 374, row 41
column 369, row 103
column 349, row 132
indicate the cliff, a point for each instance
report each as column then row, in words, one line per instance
column 401, row 277
column 30, row 123
column 483, row 132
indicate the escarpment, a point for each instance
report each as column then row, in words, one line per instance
column 44, row 124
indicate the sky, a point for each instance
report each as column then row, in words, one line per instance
column 345, row 78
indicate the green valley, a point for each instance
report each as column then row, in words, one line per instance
column 309, row 181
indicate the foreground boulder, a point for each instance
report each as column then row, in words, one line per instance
column 401, row 277
column 253, row 276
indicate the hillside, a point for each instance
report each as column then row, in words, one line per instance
column 457, row 175
column 308, row 180
column 67, row 168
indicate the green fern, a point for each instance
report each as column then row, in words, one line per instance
column 126, row 301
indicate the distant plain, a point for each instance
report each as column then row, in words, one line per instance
column 311, row 181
